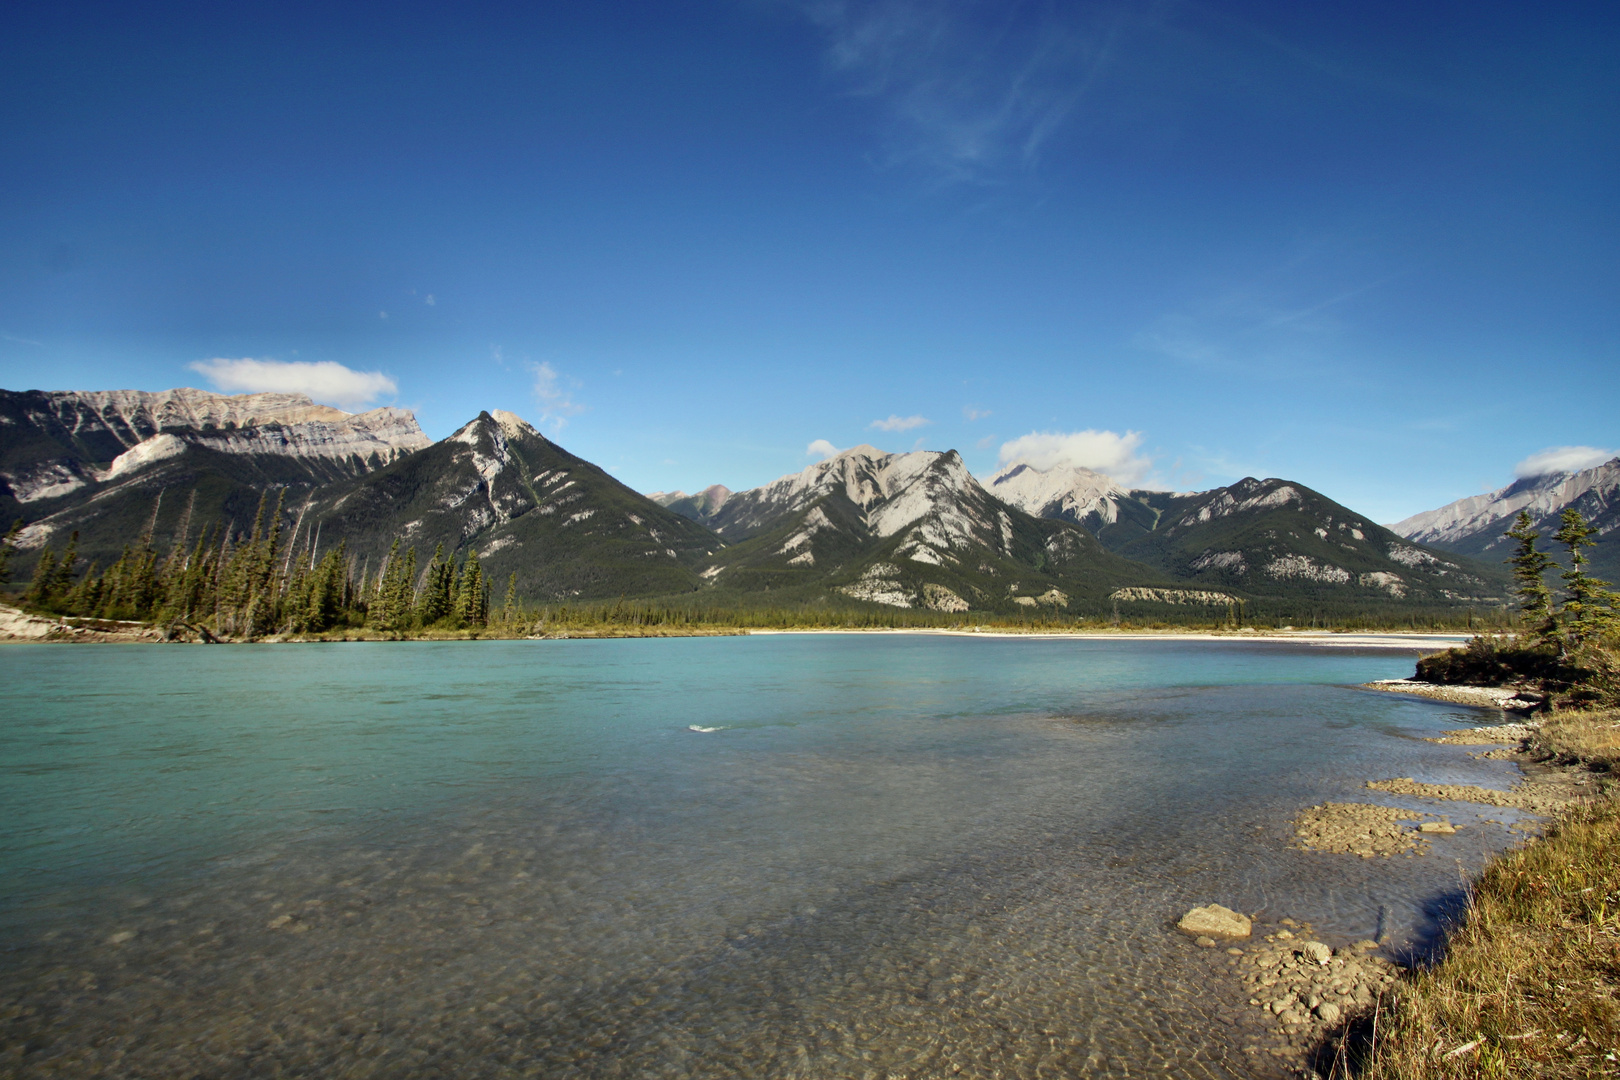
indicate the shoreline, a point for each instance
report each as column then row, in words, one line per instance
column 1341, row 639
column 1326, row 1009
column 36, row 631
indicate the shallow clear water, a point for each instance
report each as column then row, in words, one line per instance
column 896, row 856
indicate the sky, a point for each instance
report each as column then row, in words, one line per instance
column 1370, row 248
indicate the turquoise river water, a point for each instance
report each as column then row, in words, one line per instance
column 769, row 856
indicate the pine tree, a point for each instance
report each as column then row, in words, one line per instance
column 473, row 595
column 39, row 590
column 62, row 579
column 382, row 614
column 1530, row 566
column 436, row 593
column 509, row 609
column 85, row 598
column 405, row 601
column 1589, row 608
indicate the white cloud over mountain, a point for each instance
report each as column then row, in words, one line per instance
column 1108, row 452
column 555, row 395
column 896, row 422
column 1556, row 459
column 326, row 381
column 822, row 449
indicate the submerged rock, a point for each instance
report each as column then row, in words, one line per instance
column 1215, row 921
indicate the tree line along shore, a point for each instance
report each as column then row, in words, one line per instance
column 213, row 584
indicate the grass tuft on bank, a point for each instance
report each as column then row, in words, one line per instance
column 1592, row 738
column 1530, row 984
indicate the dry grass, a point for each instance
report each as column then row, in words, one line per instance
column 1529, row 984
column 1592, row 737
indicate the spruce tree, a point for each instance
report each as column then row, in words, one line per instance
column 382, row 613
column 1530, row 566
column 1589, row 608
column 474, row 603
column 436, row 594
column 509, row 609
column 405, row 603
column 62, row 581
column 39, row 590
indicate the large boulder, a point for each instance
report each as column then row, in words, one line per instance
column 1215, row 921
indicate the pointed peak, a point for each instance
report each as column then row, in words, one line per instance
column 513, row 424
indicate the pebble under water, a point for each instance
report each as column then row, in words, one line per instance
column 772, row 856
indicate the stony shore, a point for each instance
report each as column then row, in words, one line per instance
column 1320, row 995
column 1484, row 697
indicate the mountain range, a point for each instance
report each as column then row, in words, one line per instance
column 863, row 527
column 1474, row 526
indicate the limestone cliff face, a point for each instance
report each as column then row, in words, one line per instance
column 55, row 443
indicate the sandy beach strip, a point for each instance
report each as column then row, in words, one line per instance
column 1365, row 640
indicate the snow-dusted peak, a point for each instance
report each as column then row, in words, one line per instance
column 1069, row 492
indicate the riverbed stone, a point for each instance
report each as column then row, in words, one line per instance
column 1316, row 952
column 1328, row 1013
column 1215, row 921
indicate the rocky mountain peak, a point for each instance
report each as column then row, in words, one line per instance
column 1068, row 492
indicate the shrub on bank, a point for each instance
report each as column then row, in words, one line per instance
column 1586, row 676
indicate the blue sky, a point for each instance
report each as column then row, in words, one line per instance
column 1367, row 247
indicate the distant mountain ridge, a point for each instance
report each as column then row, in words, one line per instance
column 54, row 443
column 907, row 530
column 1071, row 493
column 863, row 527
column 1474, row 526
column 700, row 507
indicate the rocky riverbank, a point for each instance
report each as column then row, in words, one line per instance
column 1320, row 995
column 1512, row 698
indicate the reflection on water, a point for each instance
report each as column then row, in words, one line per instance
column 896, row 856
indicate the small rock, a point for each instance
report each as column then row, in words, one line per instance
column 1441, row 827
column 278, row 922
column 1215, row 921
column 1204, row 942
column 1316, row 952
column 121, row 937
column 1369, row 944
column 1284, row 935
column 1329, row 1013
column 1234, row 952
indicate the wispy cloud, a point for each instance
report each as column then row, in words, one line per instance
column 971, row 413
column 21, row 340
column 1108, row 452
column 899, row 423
column 1557, row 459
column 326, row 381
column 555, row 393
column 822, row 449
column 969, row 88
